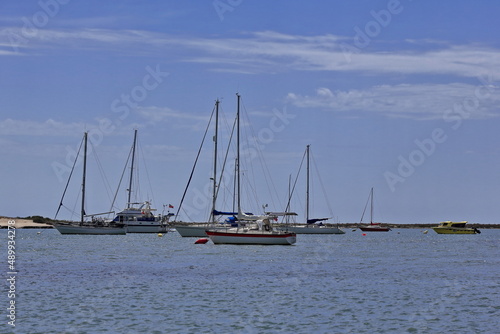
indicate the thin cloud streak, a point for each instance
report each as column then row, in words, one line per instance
column 420, row 102
column 52, row 128
column 158, row 114
column 261, row 51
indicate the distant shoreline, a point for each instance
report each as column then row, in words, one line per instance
column 22, row 223
column 414, row 226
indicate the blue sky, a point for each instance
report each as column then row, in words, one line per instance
column 402, row 96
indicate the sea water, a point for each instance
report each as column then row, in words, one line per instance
column 403, row 281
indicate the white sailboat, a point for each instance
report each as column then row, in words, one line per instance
column 313, row 225
column 251, row 229
column 94, row 225
column 92, row 228
column 139, row 217
column 261, row 233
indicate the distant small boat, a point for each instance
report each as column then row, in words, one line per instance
column 313, row 225
column 449, row 227
column 372, row 227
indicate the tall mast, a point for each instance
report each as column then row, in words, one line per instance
column 287, row 217
column 371, row 207
column 131, row 170
column 82, row 214
column 238, row 151
column 307, row 185
column 215, row 159
column 234, row 187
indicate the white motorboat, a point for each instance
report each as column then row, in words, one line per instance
column 139, row 217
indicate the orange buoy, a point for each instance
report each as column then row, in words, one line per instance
column 201, row 241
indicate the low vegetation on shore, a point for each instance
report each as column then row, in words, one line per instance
column 45, row 220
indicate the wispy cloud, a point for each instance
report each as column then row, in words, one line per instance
column 153, row 115
column 257, row 52
column 7, row 53
column 158, row 114
column 10, row 147
column 45, row 40
column 416, row 101
column 49, row 127
column 147, row 116
column 53, row 128
column 274, row 51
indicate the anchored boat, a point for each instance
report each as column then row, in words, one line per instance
column 198, row 229
column 372, row 227
column 139, row 217
column 258, row 232
column 251, row 230
column 449, row 227
column 313, row 225
column 84, row 226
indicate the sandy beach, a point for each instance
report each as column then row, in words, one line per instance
column 22, row 223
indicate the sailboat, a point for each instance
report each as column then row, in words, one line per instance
column 373, row 227
column 251, row 229
column 198, row 229
column 95, row 225
column 313, row 225
column 139, row 217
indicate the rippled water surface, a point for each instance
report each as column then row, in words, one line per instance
column 403, row 281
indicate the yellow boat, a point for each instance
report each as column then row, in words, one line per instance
column 449, row 227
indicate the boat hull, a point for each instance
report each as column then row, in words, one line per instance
column 449, row 227
column 194, row 230
column 374, row 229
column 314, row 230
column 146, row 228
column 91, row 230
column 251, row 238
